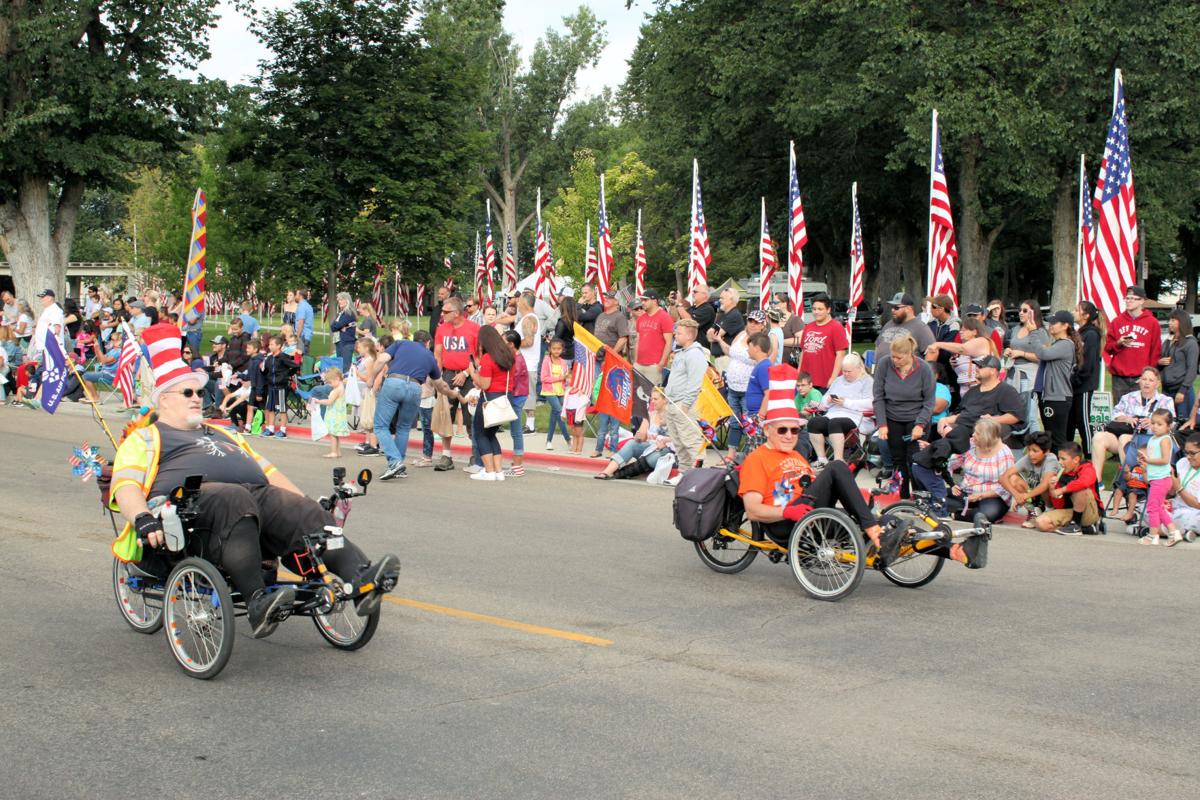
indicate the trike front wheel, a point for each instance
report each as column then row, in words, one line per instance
column 826, row 554
column 198, row 610
column 920, row 559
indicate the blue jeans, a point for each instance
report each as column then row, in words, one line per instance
column 427, row 431
column 193, row 339
column 737, row 402
column 517, row 426
column 633, row 449
column 401, row 399
column 555, row 402
column 613, row 427
column 931, row 481
column 1183, row 410
column 345, row 351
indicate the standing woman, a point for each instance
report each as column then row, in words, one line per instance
column 976, row 343
column 1085, row 378
column 346, row 327
column 1028, row 335
column 903, row 394
column 737, row 373
column 1058, row 360
column 1178, row 362
column 488, row 371
column 994, row 321
column 289, row 308
column 564, row 328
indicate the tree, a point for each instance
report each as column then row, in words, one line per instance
column 88, row 90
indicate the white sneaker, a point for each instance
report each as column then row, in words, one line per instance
column 497, row 476
column 474, row 469
column 820, row 463
column 673, row 481
column 549, row 446
column 481, row 476
column 531, row 428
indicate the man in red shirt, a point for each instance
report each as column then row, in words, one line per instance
column 823, row 343
column 453, row 344
column 656, row 332
column 1134, row 342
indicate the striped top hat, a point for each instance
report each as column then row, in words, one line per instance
column 780, row 404
column 165, row 346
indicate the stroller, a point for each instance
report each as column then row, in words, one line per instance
column 1131, row 477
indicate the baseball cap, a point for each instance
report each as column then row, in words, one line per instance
column 50, row 293
column 138, row 304
column 902, row 299
column 1065, row 317
column 636, row 305
column 988, row 361
column 219, row 339
column 610, row 295
column 1136, row 291
column 972, row 308
column 649, row 294
column 757, row 316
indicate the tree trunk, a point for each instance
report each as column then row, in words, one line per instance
column 972, row 259
column 37, row 253
column 900, row 264
column 1191, row 267
column 1064, row 236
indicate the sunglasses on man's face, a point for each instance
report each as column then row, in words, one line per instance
column 188, row 392
column 788, row 431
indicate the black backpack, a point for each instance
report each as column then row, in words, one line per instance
column 701, row 499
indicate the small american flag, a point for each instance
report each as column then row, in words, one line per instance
column 1116, row 216
column 583, row 373
column 604, row 254
column 126, row 365
column 639, row 259
column 766, row 262
column 943, row 252
column 700, row 255
column 858, row 262
column 489, row 254
column 1087, row 241
column 510, row 268
column 377, row 290
column 797, row 236
column 420, row 298
column 592, row 268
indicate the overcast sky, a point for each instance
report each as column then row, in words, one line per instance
column 236, row 52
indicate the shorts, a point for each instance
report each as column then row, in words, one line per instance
column 1061, row 516
column 275, row 400
column 449, row 376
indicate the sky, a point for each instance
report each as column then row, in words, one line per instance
column 236, row 52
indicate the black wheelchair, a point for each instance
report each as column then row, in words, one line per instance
column 197, row 606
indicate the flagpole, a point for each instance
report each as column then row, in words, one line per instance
column 933, row 143
column 1079, row 243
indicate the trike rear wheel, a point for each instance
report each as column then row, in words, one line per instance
column 916, row 565
column 826, row 554
column 198, row 610
column 727, row 555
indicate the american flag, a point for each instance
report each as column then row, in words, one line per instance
column 420, row 298
column 604, row 254
column 377, row 290
column 797, row 236
column 480, row 284
column 858, row 263
column 766, row 261
column 449, row 283
column 216, row 304
column 699, row 254
column 1116, row 216
column 583, row 373
column 510, row 268
column 639, row 260
column 592, row 266
column 943, row 252
column 1086, row 257
column 489, row 254
column 399, row 292
column 126, row 367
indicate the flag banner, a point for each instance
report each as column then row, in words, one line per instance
column 1116, row 216
column 616, row 387
column 643, row 390
column 377, row 291
column 943, row 251
column 489, row 254
column 857, row 263
column 591, row 268
column 126, row 367
column 700, row 254
column 710, row 406
column 1086, row 257
column 193, row 287
column 587, row 339
column 797, row 236
column 604, row 254
column 583, row 371
column 510, row 269
column 54, row 374
column 420, row 299
column 766, row 262
column 639, row 260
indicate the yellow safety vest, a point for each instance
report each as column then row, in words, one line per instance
column 136, row 464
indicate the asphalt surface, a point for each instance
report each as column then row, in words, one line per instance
column 1066, row 669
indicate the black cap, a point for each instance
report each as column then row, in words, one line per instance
column 987, row 361
column 972, row 308
column 219, row 339
column 1136, row 291
column 1065, row 317
column 649, row 294
column 610, row 295
column 902, row 299
column 50, row 293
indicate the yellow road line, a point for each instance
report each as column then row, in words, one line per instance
column 500, row 621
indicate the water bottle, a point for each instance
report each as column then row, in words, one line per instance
column 172, row 528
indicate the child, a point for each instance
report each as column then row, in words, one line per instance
column 1029, row 481
column 277, row 370
column 364, row 373
column 555, row 375
column 808, row 397
column 235, row 406
column 575, row 411
column 518, row 393
column 428, row 401
column 1156, row 456
column 253, row 377
column 1075, row 496
column 335, row 411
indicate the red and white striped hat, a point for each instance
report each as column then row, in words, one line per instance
column 165, row 345
column 780, row 404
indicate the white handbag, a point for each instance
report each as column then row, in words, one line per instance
column 498, row 411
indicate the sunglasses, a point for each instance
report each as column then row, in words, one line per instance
column 188, row 392
column 1190, row 453
column 795, row 431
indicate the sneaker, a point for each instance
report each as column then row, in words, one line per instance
column 939, row 509
column 361, row 447
column 889, row 542
column 266, row 434
column 264, row 609
column 1070, row 529
column 394, row 471
column 820, row 463
column 531, row 428
column 280, row 434
column 483, row 476
column 369, row 452
column 423, row 461
column 976, row 549
column 377, row 579
column 673, row 481
column 474, row 469
column 443, row 464
column 1092, row 530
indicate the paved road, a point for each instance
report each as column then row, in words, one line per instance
column 1065, row 669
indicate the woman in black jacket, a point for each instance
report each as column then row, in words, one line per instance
column 1178, row 363
column 1085, row 378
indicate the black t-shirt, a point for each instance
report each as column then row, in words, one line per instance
column 202, row 452
column 1001, row 400
column 703, row 315
column 733, row 323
